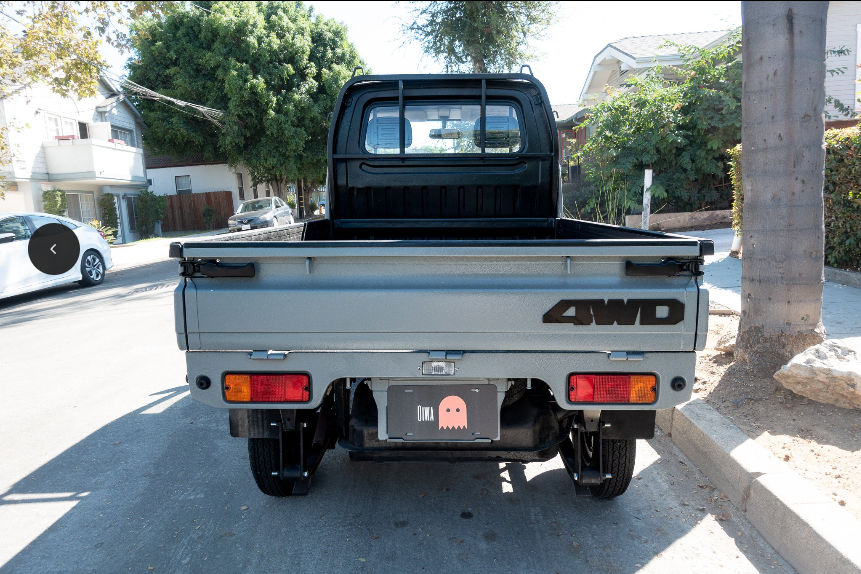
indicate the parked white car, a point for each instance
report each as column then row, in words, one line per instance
column 18, row 274
column 257, row 213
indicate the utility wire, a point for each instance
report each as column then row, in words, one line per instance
column 210, row 114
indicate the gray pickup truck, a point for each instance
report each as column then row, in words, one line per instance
column 443, row 309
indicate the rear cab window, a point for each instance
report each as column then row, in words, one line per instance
column 443, row 128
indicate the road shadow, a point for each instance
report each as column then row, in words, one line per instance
column 68, row 300
column 165, row 487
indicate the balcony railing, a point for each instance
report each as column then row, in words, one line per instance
column 94, row 161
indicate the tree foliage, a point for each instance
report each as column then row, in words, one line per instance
column 150, row 209
column 273, row 68
column 479, row 37
column 57, row 43
column 678, row 123
column 54, row 201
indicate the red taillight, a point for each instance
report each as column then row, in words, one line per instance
column 102, row 233
column 612, row 388
column 266, row 388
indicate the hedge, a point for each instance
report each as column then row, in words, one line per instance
column 842, row 196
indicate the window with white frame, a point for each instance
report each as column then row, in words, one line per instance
column 70, row 127
column 126, row 136
column 60, row 126
column 183, row 184
column 80, row 206
column 54, row 129
column 267, row 189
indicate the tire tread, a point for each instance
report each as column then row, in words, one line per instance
column 619, row 456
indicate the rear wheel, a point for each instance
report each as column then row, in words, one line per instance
column 618, row 456
column 92, row 269
column 265, row 458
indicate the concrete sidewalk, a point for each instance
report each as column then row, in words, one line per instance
column 841, row 304
column 149, row 251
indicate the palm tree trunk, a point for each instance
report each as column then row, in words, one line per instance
column 783, row 51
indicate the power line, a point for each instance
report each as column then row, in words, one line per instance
column 211, row 114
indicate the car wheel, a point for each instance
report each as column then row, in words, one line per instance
column 92, row 269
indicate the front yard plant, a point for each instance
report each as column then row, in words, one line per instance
column 151, row 209
column 678, row 123
column 54, row 201
column 842, row 195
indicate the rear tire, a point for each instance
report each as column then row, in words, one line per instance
column 265, row 458
column 92, row 268
column 618, row 460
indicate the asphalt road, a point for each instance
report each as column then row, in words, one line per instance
column 106, row 465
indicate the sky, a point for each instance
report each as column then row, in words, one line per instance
column 583, row 29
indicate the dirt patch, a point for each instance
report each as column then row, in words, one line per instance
column 820, row 442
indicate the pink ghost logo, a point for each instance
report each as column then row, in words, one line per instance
column 452, row 413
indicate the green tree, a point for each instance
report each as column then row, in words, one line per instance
column 273, row 68
column 57, row 43
column 151, row 210
column 54, row 201
column 679, row 125
column 479, row 37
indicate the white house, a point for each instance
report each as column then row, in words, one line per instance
column 613, row 66
column 192, row 174
column 843, row 30
column 617, row 62
column 86, row 147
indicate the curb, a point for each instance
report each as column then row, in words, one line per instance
column 843, row 277
column 812, row 532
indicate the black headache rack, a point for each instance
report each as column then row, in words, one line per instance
column 518, row 184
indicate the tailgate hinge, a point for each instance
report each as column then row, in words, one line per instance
column 215, row 269
column 665, row 268
column 266, row 355
column 626, row 355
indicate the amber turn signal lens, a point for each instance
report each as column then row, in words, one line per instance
column 267, row 388
column 237, row 388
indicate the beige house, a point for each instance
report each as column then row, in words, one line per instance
column 619, row 61
column 623, row 59
column 86, row 147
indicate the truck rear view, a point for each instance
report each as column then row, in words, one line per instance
column 443, row 310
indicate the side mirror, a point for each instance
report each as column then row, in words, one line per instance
column 7, row 237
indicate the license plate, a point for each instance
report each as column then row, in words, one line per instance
column 246, row 226
column 442, row 412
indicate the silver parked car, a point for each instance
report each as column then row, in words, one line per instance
column 257, row 213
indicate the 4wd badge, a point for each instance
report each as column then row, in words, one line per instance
column 616, row 312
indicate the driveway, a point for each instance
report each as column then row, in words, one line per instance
column 108, row 466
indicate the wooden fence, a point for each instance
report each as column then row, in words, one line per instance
column 185, row 212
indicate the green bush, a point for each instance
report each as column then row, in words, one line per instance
column 312, row 207
column 108, row 207
column 677, row 122
column 209, row 214
column 291, row 203
column 842, row 196
column 54, row 201
column 151, row 209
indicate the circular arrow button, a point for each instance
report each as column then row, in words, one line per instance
column 54, row 249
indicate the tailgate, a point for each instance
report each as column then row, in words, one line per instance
column 497, row 296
